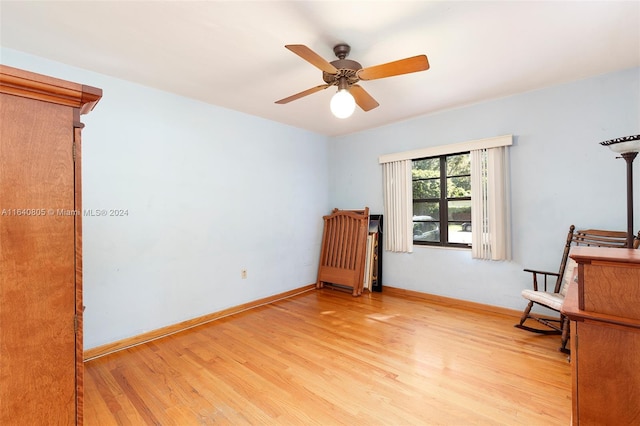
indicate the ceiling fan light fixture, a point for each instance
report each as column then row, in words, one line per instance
column 346, row 73
column 342, row 104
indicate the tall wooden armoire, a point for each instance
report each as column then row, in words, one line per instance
column 604, row 309
column 41, row 248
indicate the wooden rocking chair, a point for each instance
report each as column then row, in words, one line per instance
column 552, row 298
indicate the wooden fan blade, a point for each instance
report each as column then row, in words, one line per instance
column 312, row 57
column 403, row 66
column 363, row 98
column 302, row 94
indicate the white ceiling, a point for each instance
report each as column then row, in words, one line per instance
column 231, row 53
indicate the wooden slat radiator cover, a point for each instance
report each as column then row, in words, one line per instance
column 344, row 241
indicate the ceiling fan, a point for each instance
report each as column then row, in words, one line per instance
column 346, row 73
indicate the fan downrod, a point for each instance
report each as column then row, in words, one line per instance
column 342, row 50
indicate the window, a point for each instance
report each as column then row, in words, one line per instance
column 442, row 200
column 445, row 218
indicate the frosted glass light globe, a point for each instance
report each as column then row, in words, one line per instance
column 342, row 104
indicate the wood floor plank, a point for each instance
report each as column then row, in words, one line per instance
column 326, row 358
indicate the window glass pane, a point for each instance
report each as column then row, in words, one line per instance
column 431, row 210
column 426, row 225
column 426, row 168
column 423, row 189
column 425, row 230
column 459, row 210
column 426, row 178
column 457, row 234
column 458, row 165
column 458, row 187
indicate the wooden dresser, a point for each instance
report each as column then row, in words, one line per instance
column 41, row 248
column 604, row 309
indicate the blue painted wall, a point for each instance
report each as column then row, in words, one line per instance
column 560, row 175
column 211, row 191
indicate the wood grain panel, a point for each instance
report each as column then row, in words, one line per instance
column 40, row 87
column 36, row 260
column 602, row 290
column 613, row 372
column 79, row 308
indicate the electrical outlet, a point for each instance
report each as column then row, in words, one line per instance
column 243, row 274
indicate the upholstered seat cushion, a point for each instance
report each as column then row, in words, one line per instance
column 551, row 300
column 554, row 300
column 570, row 274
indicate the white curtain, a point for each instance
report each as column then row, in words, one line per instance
column 490, row 215
column 398, row 206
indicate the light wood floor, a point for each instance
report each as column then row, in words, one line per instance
column 327, row 358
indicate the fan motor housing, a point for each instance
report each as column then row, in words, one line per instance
column 346, row 68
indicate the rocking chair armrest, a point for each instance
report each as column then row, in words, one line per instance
column 535, row 271
column 545, row 274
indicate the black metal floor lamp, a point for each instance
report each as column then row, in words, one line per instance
column 628, row 148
